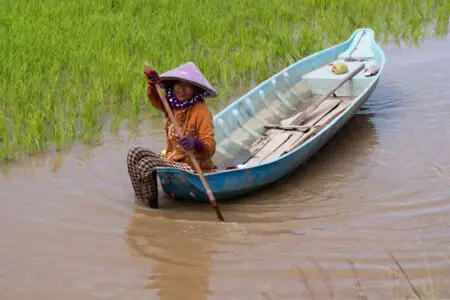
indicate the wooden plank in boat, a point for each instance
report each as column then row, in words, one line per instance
column 288, row 121
column 321, row 112
column 288, row 127
column 283, row 148
column 259, row 144
column 263, row 140
column 273, row 144
column 340, row 108
column 321, row 123
column 322, row 109
column 298, row 137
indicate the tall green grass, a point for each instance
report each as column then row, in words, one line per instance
column 69, row 67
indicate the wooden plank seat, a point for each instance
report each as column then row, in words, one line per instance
column 283, row 137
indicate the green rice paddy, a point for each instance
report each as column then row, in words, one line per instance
column 72, row 69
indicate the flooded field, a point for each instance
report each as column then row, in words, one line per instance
column 70, row 228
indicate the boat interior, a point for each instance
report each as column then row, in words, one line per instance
column 263, row 124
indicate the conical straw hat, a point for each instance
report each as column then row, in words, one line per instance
column 190, row 73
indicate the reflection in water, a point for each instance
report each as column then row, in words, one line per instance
column 180, row 251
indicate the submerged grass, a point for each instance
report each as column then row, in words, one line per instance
column 403, row 286
column 70, row 67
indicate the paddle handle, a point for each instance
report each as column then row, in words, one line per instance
column 302, row 117
column 190, row 154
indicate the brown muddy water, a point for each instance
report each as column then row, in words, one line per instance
column 70, row 228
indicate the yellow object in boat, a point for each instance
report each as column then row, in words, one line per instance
column 163, row 152
column 339, row 68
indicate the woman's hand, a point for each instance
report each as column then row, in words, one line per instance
column 151, row 75
column 190, row 143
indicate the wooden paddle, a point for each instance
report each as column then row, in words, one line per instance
column 304, row 115
column 197, row 168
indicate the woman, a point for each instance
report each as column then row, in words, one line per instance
column 186, row 88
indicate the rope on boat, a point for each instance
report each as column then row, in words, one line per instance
column 350, row 58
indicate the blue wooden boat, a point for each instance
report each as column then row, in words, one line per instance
column 256, row 131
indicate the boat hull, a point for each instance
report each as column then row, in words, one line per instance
column 229, row 184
